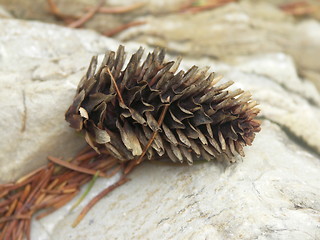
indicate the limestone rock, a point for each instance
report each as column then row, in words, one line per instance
column 239, row 28
column 294, row 105
column 39, row 10
column 40, row 67
column 272, row 193
column 236, row 29
column 208, row 33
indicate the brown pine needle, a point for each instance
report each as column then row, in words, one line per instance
column 74, row 167
column 43, row 195
column 67, row 198
column 46, row 189
column 299, row 8
column 10, row 211
column 27, row 228
column 139, row 160
column 123, row 27
column 115, row 86
column 83, row 151
column 19, row 232
column 4, row 209
column 62, row 191
column 46, row 213
column 54, row 10
column 25, row 193
column 3, row 193
column 86, row 156
column 87, row 16
column 98, row 198
column 192, row 7
column 14, row 186
column 6, row 202
column 32, row 197
column 90, row 185
column 121, row 9
column 114, row 171
column 163, row 113
column 27, row 177
column 54, row 201
column 14, row 217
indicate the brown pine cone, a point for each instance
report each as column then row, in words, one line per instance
column 120, row 110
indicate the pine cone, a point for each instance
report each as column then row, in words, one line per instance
column 121, row 110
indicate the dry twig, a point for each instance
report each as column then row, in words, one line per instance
column 87, row 16
column 123, row 27
column 121, row 9
column 54, row 10
column 195, row 7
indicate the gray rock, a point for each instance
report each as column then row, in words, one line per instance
column 40, row 67
column 236, row 29
column 272, row 193
column 285, row 98
column 4, row 13
column 39, row 10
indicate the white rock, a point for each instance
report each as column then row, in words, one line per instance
column 236, row 29
column 231, row 30
column 40, row 67
column 272, row 193
column 293, row 104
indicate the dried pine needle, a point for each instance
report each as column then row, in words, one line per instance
column 90, row 185
column 87, row 16
column 122, row 9
column 119, row 29
column 47, row 189
column 74, row 167
column 97, row 198
column 139, row 160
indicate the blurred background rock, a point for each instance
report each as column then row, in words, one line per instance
column 220, row 29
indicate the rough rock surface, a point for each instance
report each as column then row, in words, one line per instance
column 236, row 29
column 39, row 10
column 272, row 193
column 40, row 67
